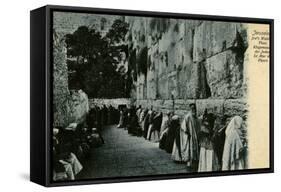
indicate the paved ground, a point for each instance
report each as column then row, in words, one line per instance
column 126, row 155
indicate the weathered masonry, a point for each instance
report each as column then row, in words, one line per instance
column 176, row 62
column 173, row 62
column 71, row 105
column 68, row 105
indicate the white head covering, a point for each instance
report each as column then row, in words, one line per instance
column 234, row 135
column 235, row 125
column 175, row 117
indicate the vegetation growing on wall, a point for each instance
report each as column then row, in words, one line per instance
column 94, row 61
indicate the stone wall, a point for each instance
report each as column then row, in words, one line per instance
column 222, row 108
column 69, row 106
column 173, row 63
column 113, row 102
column 68, row 22
column 179, row 62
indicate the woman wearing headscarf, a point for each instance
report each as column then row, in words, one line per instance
column 147, row 122
column 142, row 118
column 235, row 147
column 187, row 148
column 139, row 110
column 138, row 131
column 121, row 120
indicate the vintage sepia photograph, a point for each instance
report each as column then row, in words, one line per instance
column 145, row 96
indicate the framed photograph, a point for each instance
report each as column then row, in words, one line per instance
column 119, row 95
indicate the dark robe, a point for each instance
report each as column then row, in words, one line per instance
column 164, row 138
column 133, row 121
column 91, row 118
column 126, row 118
column 104, row 112
column 98, row 119
column 108, row 119
column 219, row 139
column 157, row 122
column 172, row 134
column 155, row 128
column 147, row 121
column 116, row 115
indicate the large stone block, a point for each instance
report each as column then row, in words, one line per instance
column 163, row 91
column 196, row 86
column 155, row 29
column 139, row 91
column 234, row 107
column 142, row 83
column 113, row 102
column 173, row 85
column 214, row 106
column 151, row 85
column 168, row 104
column 225, row 75
column 162, row 67
column 192, row 24
column 60, row 70
column 61, row 95
column 158, row 103
column 188, row 40
column 137, row 33
column 181, row 113
column 143, row 103
column 68, row 106
column 191, row 74
column 211, row 38
column 79, row 106
column 183, row 104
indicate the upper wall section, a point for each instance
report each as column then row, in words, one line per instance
column 68, row 22
column 187, row 59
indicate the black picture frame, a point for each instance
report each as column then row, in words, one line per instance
column 41, row 93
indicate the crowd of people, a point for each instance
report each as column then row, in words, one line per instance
column 201, row 143
column 72, row 144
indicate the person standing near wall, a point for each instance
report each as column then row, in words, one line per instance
column 186, row 147
column 208, row 159
column 235, row 147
